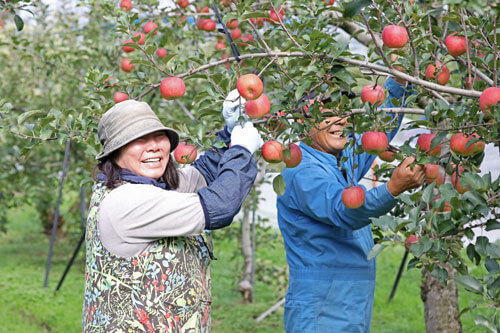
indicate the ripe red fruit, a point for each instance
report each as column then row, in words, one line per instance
column 220, row 46
column 456, row 45
column 373, row 94
column 183, row 3
column 353, row 197
column 456, row 184
column 200, row 24
column 258, row 21
column 185, row 154
column 126, row 5
column 205, row 9
column 439, row 180
column 161, row 53
column 374, row 142
column 328, row 2
column 442, row 77
column 246, row 38
column 126, row 65
column 432, row 171
column 276, row 15
column 172, row 87
column 274, row 123
column 412, row 239
column 424, row 144
column 249, row 86
column 225, row 3
column 236, row 33
column 387, row 156
column 394, row 36
column 110, row 84
column 489, row 97
column 259, row 107
column 458, row 144
column 446, row 208
column 128, row 48
column 232, row 24
column 295, row 156
column 272, row 152
column 141, row 39
column 209, row 25
column 120, row 97
column 150, row 26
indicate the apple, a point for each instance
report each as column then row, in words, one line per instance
column 225, row 3
column 225, row 56
column 259, row 107
column 272, row 151
column 236, row 33
column 161, row 53
column 273, row 121
column 353, row 197
column 110, row 84
column 150, row 26
column 276, row 15
column 412, row 239
column 258, row 21
column 120, row 97
column 439, row 180
column 456, row 45
column 456, row 184
column 220, row 46
column 232, row 24
column 172, row 87
column 394, row 36
column 295, row 156
column 373, row 94
column 246, row 38
column 489, row 97
column 209, row 25
column 328, row 2
column 432, row 171
column 183, row 3
column 470, row 83
column 458, row 144
column 126, row 65
column 424, row 144
column 442, row 77
column 200, row 24
column 387, row 156
column 185, row 154
column 249, row 86
column 446, row 208
column 374, row 143
column 141, row 39
column 126, row 5
column 128, row 48
column 204, row 9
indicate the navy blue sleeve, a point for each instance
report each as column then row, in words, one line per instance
column 222, row 199
column 208, row 163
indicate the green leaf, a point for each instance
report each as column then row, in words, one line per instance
column 353, row 8
column 376, row 249
column 470, row 283
column 472, row 254
column 428, row 193
column 493, row 250
column 491, row 265
column 279, row 185
column 492, row 225
column 26, row 115
column 480, row 320
column 19, row 22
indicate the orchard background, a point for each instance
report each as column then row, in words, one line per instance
column 62, row 67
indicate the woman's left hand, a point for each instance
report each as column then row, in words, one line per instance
column 231, row 109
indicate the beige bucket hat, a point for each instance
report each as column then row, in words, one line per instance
column 127, row 121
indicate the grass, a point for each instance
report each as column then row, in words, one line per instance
column 28, row 307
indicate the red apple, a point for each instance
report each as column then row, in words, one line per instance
column 141, row 39
column 258, row 21
column 185, row 154
column 470, row 83
column 489, row 97
column 110, row 84
column 412, row 239
column 232, row 24
column 220, row 46
column 353, row 197
column 456, row 184
column 225, row 56
column 150, row 26
column 183, row 3
column 272, row 152
column 126, row 5
column 432, row 171
column 446, row 208
column 328, row 2
column 295, row 156
column 126, row 65
column 424, row 144
column 249, row 86
column 259, row 107
column 204, row 9
column 373, row 94
column 128, row 48
column 456, row 45
column 394, row 36
column 439, row 180
column 200, row 24
column 387, row 156
column 209, row 25
column 374, row 143
column 458, row 144
column 246, row 38
column 442, row 77
column 236, row 33
column 172, row 87
column 225, row 3
column 161, row 53
column 275, row 13
column 120, row 97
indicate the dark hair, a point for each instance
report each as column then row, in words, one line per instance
column 111, row 170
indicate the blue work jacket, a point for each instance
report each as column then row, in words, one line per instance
column 331, row 285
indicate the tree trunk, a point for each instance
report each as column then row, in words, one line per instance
column 440, row 303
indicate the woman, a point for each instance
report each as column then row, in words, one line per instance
column 147, row 266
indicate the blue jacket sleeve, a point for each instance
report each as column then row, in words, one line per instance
column 318, row 195
column 222, row 199
column 208, row 163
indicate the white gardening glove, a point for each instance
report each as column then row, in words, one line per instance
column 246, row 136
column 231, row 109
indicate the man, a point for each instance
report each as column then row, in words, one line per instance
column 331, row 287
